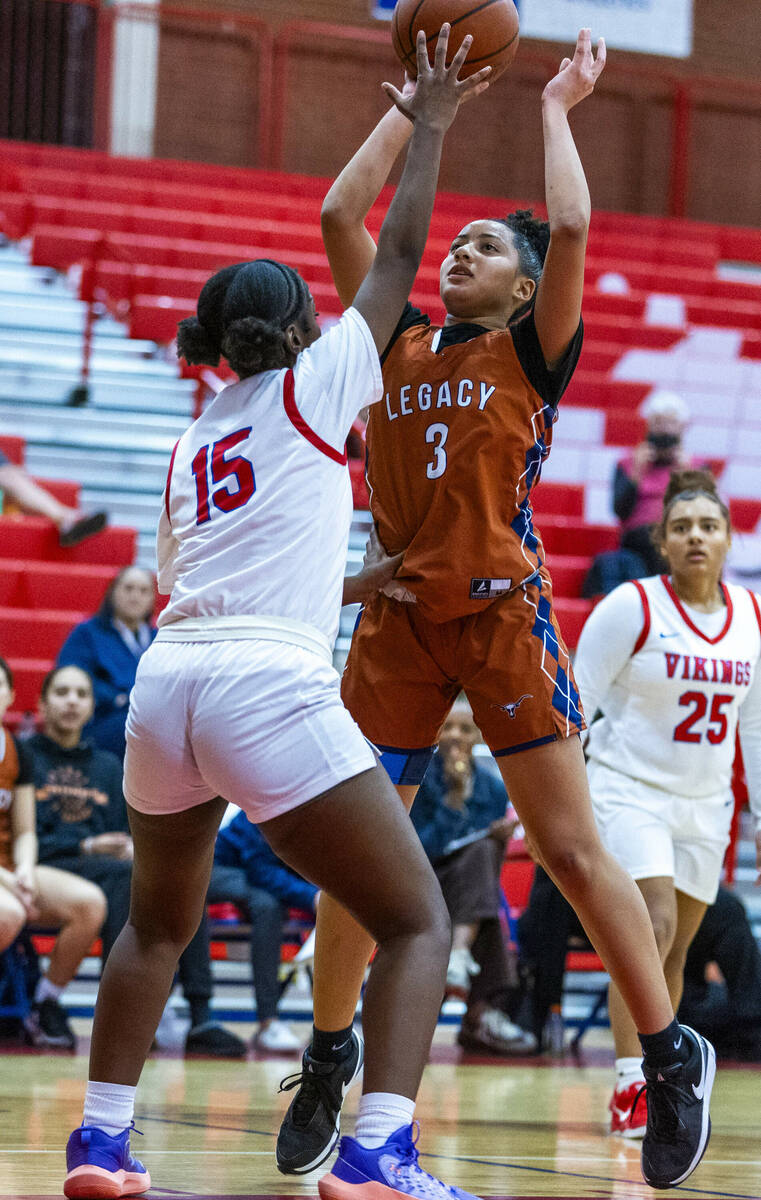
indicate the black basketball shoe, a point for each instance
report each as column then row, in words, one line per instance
column 312, row 1123
column 678, row 1123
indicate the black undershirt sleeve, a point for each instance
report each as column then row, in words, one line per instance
column 549, row 384
column 625, row 493
column 26, row 769
column 410, row 316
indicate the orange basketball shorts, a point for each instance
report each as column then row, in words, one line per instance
column 404, row 672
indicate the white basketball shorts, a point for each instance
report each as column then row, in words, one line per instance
column 654, row 833
column 260, row 723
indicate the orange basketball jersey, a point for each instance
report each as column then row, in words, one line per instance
column 454, row 449
column 9, row 774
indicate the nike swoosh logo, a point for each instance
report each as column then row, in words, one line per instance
column 678, row 1044
column 700, row 1091
column 668, row 635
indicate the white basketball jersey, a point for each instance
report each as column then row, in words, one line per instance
column 669, row 717
column 258, row 499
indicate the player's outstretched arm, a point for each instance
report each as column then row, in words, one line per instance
column 432, row 108
column 558, row 298
column 349, row 245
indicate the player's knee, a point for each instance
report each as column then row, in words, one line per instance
column 664, row 928
column 572, row 867
column 12, row 921
column 89, row 910
column 172, row 925
column 438, row 924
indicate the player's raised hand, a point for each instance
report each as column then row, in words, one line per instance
column 438, row 92
column 577, row 76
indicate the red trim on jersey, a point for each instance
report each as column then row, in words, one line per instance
column 691, row 624
column 298, row 422
column 756, row 609
column 169, row 480
column 646, row 617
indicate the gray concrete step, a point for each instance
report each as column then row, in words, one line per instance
column 82, row 427
column 17, row 386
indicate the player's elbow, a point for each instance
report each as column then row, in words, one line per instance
column 335, row 216
column 572, row 225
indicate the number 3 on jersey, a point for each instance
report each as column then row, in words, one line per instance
column 437, row 435
column 222, row 468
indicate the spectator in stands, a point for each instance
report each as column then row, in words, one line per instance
column 28, row 892
column 728, row 1008
column 82, row 828
column 461, row 815
column 250, row 875
column 108, row 647
column 545, row 928
column 72, row 524
column 641, row 478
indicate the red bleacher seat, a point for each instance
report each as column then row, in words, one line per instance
column 28, row 674
column 40, row 632
column 13, row 448
column 566, row 535
column 568, row 573
column 624, row 428
column 745, row 514
column 561, row 499
column 80, row 586
column 593, row 389
column 36, row 538
column 571, row 615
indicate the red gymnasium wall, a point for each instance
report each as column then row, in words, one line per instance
column 207, row 110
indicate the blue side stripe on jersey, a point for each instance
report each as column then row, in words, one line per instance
column 405, row 766
column 564, row 690
column 543, row 627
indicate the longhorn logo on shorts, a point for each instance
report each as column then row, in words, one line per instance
column 512, row 709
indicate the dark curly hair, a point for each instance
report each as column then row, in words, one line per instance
column 688, row 485
column 242, row 313
column 531, row 237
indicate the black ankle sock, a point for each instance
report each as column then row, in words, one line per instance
column 199, row 1010
column 666, row 1048
column 330, row 1046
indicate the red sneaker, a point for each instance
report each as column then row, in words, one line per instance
column 628, row 1111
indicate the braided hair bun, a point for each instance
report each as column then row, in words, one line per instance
column 195, row 344
column 243, row 312
column 690, row 481
column 250, row 344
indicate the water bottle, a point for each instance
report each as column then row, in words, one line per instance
column 553, row 1033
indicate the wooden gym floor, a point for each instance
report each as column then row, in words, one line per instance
column 498, row 1128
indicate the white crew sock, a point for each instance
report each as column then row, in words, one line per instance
column 109, row 1106
column 380, row 1115
column 46, row 990
column 628, row 1071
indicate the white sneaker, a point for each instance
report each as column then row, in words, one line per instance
column 461, row 967
column 499, row 1025
column 278, row 1038
column 305, row 955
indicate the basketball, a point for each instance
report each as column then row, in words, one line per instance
column 493, row 26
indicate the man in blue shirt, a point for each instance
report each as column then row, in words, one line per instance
column 461, row 815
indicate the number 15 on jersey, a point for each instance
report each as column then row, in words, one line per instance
column 224, row 465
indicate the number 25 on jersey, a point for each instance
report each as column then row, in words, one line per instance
column 224, row 466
